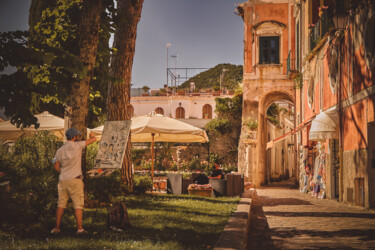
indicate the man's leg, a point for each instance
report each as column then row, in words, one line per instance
column 78, row 214
column 59, row 215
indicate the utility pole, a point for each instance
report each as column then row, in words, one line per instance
column 168, row 45
column 175, row 71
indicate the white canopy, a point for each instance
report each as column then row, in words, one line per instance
column 46, row 120
column 325, row 126
column 165, row 129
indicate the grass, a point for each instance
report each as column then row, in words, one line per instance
column 158, row 222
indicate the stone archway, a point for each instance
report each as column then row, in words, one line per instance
column 252, row 146
column 266, row 100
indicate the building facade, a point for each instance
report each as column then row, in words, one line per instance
column 335, row 97
column 269, row 37
column 193, row 106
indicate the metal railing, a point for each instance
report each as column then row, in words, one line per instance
column 290, row 63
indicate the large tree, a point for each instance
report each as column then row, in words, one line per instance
column 128, row 16
column 48, row 60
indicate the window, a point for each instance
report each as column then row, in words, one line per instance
column 180, row 113
column 269, row 50
column 207, row 111
column 159, row 111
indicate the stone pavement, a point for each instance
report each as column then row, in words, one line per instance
column 284, row 218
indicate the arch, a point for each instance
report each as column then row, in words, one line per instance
column 270, row 97
column 180, row 113
column 266, row 100
column 159, row 110
column 131, row 111
column 271, row 23
column 207, row 111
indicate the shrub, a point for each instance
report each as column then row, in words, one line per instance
column 91, row 152
column 219, row 125
column 137, row 156
column 251, row 123
column 141, row 184
column 32, row 177
column 105, row 187
column 195, row 164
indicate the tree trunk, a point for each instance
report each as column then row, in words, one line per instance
column 77, row 110
column 129, row 13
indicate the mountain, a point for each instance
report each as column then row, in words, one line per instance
column 211, row 78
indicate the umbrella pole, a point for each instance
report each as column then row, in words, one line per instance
column 152, row 159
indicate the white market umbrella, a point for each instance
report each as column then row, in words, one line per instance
column 46, row 120
column 158, row 128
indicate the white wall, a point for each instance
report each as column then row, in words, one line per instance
column 193, row 105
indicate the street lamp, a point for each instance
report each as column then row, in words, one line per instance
column 340, row 21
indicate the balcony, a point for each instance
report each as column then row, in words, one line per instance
column 290, row 64
column 321, row 27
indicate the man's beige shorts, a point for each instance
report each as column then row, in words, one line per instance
column 71, row 188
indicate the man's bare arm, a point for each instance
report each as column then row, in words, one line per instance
column 57, row 167
column 92, row 139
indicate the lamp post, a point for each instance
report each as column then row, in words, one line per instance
column 340, row 21
column 168, row 45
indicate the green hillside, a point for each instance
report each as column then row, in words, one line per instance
column 211, row 78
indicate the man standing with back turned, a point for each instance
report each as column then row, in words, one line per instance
column 68, row 164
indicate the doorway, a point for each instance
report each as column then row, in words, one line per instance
column 371, row 163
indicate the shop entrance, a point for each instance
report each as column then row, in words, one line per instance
column 371, row 163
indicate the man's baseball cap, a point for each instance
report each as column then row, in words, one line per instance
column 70, row 133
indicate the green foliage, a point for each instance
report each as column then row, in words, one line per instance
column 230, row 108
column 104, row 188
column 251, row 123
column 33, row 180
column 91, row 152
column 47, row 63
column 211, row 78
column 141, row 184
column 218, row 125
column 215, row 158
column 273, row 114
column 298, row 81
column 195, row 164
column 138, row 155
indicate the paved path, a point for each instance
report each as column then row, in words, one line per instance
column 284, row 218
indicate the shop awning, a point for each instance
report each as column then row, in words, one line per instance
column 292, row 132
column 325, row 126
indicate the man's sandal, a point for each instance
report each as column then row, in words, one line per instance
column 82, row 232
column 55, row 231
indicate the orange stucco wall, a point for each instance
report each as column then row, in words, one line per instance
column 355, row 126
column 249, row 37
column 266, row 12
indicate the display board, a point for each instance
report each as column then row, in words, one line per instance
column 111, row 147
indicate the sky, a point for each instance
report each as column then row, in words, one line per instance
column 203, row 33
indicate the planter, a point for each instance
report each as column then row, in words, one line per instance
column 203, row 193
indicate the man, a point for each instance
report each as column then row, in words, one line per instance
column 217, row 173
column 67, row 163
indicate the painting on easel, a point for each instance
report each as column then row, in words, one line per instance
column 111, row 148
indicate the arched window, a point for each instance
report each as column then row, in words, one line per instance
column 131, row 110
column 159, row 110
column 180, row 113
column 207, row 111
